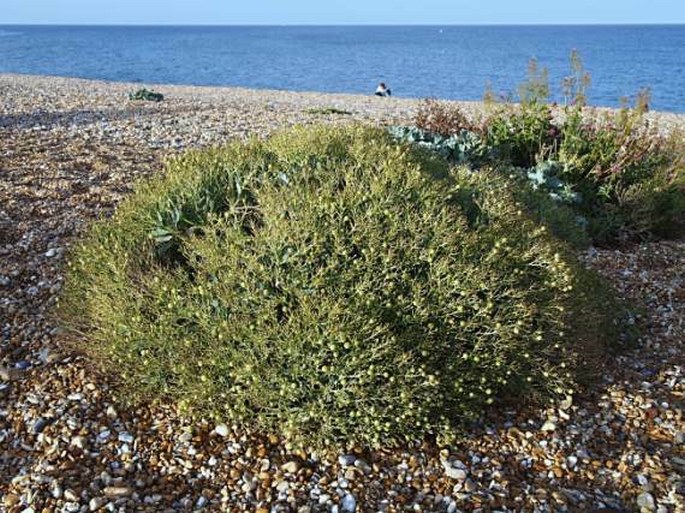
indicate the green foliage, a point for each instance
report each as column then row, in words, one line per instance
column 146, row 95
column 331, row 285
column 521, row 135
column 622, row 178
column 623, row 169
column 328, row 111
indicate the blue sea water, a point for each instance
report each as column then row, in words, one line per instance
column 455, row 62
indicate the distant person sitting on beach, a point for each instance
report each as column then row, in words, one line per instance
column 382, row 90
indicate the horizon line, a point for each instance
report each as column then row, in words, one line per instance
column 532, row 24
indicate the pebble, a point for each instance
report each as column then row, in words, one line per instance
column 349, row 503
column 126, row 438
column 291, row 467
column 470, row 485
column 96, row 503
column 549, row 426
column 363, row 466
column 645, row 501
column 116, row 492
column 7, row 374
column 70, row 495
column 40, row 425
column 455, row 469
column 249, row 486
column 79, row 441
column 221, row 430
column 346, row 460
column 10, row 500
column 56, row 491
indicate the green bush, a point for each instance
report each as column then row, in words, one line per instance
column 630, row 177
column 331, row 285
column 613, row 176
column 521, row 135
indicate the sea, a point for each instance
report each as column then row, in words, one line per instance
column 450, row 62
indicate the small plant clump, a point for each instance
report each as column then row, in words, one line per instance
column 331, row 285
column 146, row 95
column 443, row 118
column 328, row 111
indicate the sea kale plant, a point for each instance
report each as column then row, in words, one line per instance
column 332, row 285
column 146, row 95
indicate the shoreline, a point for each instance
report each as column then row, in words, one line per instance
column 71, row 149
column 368, row 107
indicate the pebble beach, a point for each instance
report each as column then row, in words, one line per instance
column 71, row 149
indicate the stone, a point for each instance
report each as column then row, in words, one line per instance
column 7, row 374
column 346, row 460
column 40, row 425
column 78, row 441
column 291, row 467
column 51, row 252
column 549, row 426
column 249, row 486
column 56, row 491
column 116, row 492
column 221, row 430
column 455, row 469
column 349, row 503
column 96, row 503
column 11, row 500
column 566, row 403
column 470, row 485
column 645, row 501
column 363, row 466
column 127, row 438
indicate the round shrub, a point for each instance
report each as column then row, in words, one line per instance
column 331, row 285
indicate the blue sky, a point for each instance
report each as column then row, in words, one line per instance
column 268, row 12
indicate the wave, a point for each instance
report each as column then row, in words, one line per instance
column 9, row 33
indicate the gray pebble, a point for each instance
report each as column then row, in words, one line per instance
column 40, row 425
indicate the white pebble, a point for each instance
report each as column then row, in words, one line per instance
column 221, row 430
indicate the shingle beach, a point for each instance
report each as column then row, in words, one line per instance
column 71, row 149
